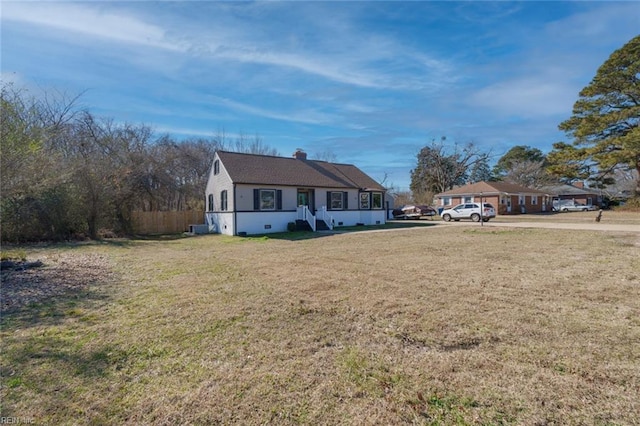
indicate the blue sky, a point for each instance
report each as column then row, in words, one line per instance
column 371, row 82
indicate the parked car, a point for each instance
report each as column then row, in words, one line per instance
column 469, row 211
column 576, row 207
column 413, row 212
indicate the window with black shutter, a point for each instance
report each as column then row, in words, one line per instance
column 336, row 200
column 256, row 199
column 223, row 200
column 267, row 199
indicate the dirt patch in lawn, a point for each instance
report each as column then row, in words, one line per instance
column 46, row 279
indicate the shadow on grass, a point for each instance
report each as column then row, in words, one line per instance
column 120, row 242
column 388, row 225
column 69, row 245
column 160, row 237
column 307, row 235
column 51, row 310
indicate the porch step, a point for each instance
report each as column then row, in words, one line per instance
column 303, row 225
column 321, row 225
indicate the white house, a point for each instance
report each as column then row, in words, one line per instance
column 257, row 194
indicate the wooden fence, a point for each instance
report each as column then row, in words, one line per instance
column 172, row 222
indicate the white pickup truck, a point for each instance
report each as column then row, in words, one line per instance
column 572, row 206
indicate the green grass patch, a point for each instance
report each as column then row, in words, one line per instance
column 18, row 254
column 444, row 408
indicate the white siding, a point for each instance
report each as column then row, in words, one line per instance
column 223, row 222
column 244, row 196
column 215, row 185
column 257, row 223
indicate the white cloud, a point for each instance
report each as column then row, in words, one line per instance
column 363, row 66
column 319, row 41
column 358, row 107
column 324, row 67
column 601, row 24
column 545, row 76
column 526, row 97
column 89, row 21
column 184, row 131
column 301, row 116
column 350, row 56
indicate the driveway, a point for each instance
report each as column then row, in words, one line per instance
column 593, row 226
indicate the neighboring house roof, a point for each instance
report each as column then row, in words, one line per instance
column 270, row 170
column 490, row 188
column 569, row 190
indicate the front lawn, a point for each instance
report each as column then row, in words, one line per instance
column 428, row 325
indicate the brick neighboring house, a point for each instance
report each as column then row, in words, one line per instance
column 576, row 192
column 255, row 194
column 507, row 198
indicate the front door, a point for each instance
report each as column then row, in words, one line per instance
column 305, row 198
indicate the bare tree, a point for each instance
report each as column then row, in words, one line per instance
column 439, row 168
column 243, row 143
column 66, row 171
column 28, row 128
column 404, row 198
column 35, row 204
column 527, row 173
column 326, row 155
column 624, row 186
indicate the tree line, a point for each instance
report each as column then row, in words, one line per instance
column 605, row 151
column 441, row 167
column 67, row 173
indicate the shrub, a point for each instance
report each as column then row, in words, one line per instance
column 631, row 205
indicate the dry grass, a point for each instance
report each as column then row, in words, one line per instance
column 434, row 325
column 608, row 217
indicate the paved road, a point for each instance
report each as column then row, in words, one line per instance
column 591, row 226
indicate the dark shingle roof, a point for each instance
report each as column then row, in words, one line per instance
column 491, row 188
column 269, row 170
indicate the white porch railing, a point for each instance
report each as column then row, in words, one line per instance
column 305, row 214
column 324, row 215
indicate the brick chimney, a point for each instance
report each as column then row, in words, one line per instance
column 300, row 154
column 579, row 184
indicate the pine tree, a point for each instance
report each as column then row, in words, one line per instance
column 605, row 122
